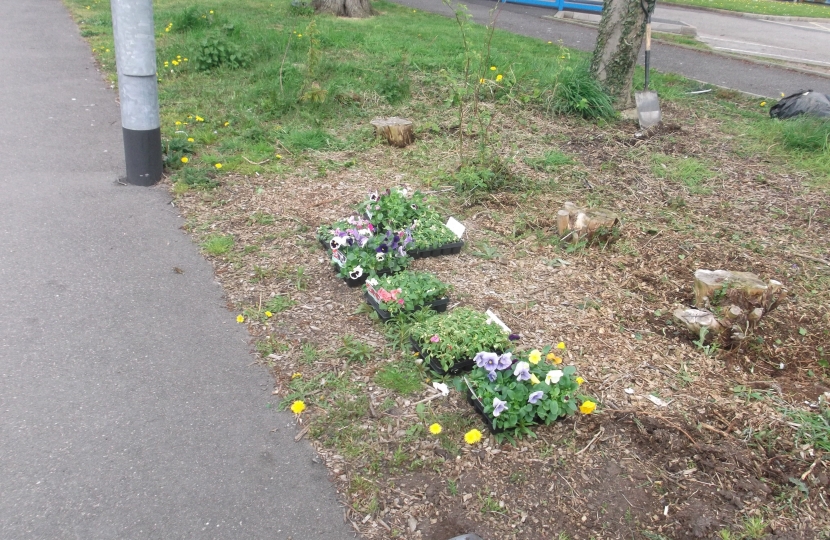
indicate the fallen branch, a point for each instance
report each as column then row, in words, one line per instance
column 810, row 258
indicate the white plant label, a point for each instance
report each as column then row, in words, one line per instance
column 456, row 227
column 338, row 258
column 492, row 317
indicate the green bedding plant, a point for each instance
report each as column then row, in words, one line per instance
column 393, row 209
column 519, row 390
column 431, row 232
column 407, row 291
column 457, row 336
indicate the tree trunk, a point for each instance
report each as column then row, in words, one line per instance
column 618, row 45
column 344, row 8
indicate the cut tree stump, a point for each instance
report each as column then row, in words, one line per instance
column 729, row 305
column 584, row 222
column 397, row 131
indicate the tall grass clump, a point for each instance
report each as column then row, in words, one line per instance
column 576, row 92
column 806, row 133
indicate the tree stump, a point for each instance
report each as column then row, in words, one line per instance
column 584, row 222
column 397, row 131
column 730, row 304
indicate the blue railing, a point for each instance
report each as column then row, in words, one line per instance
column 559, row 5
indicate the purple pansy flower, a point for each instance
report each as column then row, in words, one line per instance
column 505, row 361
column 499, row 406
column 487, row 360
column 522, row 371
column 535, row 396
column 491, row 375
column 514, row 337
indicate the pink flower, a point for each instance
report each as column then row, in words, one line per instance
column 400, row 301
column 435, row 338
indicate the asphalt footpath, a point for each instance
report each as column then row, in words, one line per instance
column 746, row 76
column 129, row 405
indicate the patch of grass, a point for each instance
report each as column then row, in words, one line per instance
column 279, row 303
column 813, row 427
column 270, row 345
column 692, row 172
column 217, row 244
column 680, row 39
column 401, row 377
column 354, row 350
column 805, row 133
column 762, row 7
column 261, row 218
column 550, row 161
column 577, row 92
column 196, row 178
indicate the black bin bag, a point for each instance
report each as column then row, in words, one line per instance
column 802, row 102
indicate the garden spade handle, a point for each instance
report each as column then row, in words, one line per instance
column 647, row 11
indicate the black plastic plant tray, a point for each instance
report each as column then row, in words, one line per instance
column 359, row 281
column 459, row 367
column 439, row 306
column 447, row 249
column 480, row 410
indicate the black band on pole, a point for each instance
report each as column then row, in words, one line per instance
column 142, row 151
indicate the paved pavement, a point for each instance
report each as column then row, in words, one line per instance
column 743, row 75
column 806, row 42
column 129, row 407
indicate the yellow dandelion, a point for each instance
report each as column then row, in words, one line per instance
column 211, row 12
column 185, row 160
column 299, row 35
column 580, row 380
column 473, row 436
column 435, row 429
column 178, row 56
column 550, row 42
column 492, row 68
column 190, row 139
column 240, row 318
column 269, row 314
column 587, row 407
column 175, row 62
column 296, row 375
column 499, row 77
column 178, row 123
column 226, row 124
column 278, row 156
column 218, row 165
column 763, row 104
column 782, row 93
column 200, row 119
column 481, row 81
column 167, row 29
column 297, row 407
column 184, row 59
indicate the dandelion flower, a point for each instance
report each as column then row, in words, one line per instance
column 190, row 139
column 211, row 12
column 435, row 429
column 296, row 375
column 299, row 35
column 481, row 81
column 200, row 119
column 587, row 407
column 240, row 319
column 499, row 77
column 175, row 62
column 473, row 436
column 269, row 314
column 178, row 123
column 278, row 156
column 580, row 380
column 218, row 165
column 492, row 68
column 226, row 124
column 297, row 407
column 550, row 42
column 185, row 160
column 184, row 59
column 763, row 104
